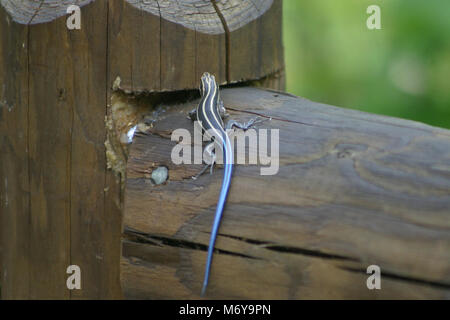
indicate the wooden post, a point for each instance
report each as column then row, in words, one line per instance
column 61, row 204
column 352, row 190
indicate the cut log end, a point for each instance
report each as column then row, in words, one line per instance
column 202, row 16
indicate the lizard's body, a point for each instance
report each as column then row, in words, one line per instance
column 210, row 120
column 208, row 113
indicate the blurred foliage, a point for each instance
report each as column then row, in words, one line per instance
column 402, row 70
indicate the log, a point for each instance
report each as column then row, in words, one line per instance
column 61, row 165
column 352, row 190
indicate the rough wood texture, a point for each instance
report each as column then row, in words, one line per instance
column 259, row 37
column 59, row 203
column 353, row 189
column 199, row 15
column 54, row 160
column 38, row 11
column 165, row 45
column 153, row 54
column 14, row 133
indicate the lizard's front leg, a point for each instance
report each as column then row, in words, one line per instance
column 193, row 114
column 222, row 111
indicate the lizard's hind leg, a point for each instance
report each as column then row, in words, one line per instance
column 209, row 150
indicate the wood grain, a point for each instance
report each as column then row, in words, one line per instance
column 196, row 15
column 94, row 225
column 14, row 164
column 262, row 53
column 50, row 160
column 152, row 54
column 34, row 12
column 200, row 15
column 178, row 57
column 211, row 56
column 134, row 52
column 352, row 190
column 56, row 164
column 60, row 205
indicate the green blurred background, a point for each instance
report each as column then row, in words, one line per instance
column 402, row 70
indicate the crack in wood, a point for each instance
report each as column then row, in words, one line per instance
column 290, row 249
column 248, row 240
column 142, row 237
column 36, row 12
column 227, row 40
column 309, row 252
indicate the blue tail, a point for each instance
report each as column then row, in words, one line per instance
column 219, row 210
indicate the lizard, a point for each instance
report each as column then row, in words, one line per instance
column 209, row 113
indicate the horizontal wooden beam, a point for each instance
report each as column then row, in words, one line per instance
column 352, row 190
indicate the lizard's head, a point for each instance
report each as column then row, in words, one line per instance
column 207, row 83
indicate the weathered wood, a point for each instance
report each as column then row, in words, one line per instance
column 178, row 57
column 95, row 221
column 14, row 133
column 197, row 15
column 49, row 152
column 34, row 12
column 353, row 189
column 134, row 42
column 150, row 53
column 56, row 206
column 211, row 56
column 60, row 205
column 260, row 38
